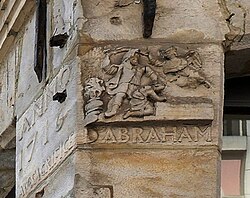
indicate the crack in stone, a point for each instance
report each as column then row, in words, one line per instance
column 235, row 34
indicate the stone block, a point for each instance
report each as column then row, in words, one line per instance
column 119, row 92
column 177, row 21
column 28, row 86
column 7, row 92
column 63, row 21
column 133, row 150
column 60, row 183
column 149, row 173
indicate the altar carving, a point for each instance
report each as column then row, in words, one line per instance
column 94, row 105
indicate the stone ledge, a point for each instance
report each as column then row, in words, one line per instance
column 184, row 113
column 234, row 143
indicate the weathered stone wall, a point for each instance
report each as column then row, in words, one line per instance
column 161, row 154
column 236, row 14
column 69, row 141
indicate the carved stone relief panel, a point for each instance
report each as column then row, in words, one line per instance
column 127, row 83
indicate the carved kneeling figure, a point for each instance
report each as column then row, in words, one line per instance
column 142, row 102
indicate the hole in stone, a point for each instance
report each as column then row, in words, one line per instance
column 115, row 21
column 229, row 18
column 40, row 194
column 58, row 40
column 60, row 96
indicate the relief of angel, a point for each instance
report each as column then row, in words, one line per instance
column 186, row 70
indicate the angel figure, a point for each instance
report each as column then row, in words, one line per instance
column 186, row 70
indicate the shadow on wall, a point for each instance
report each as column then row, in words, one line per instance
column 12, row 193
column 237, row 63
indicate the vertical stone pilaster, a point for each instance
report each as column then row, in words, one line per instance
column 123, row 116
column 152, row 107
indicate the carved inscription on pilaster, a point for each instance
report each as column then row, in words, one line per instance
column 45, row 134
column 58, row 155
column 40, row 106
column 26, row 126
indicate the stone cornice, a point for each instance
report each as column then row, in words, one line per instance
column 13, row 14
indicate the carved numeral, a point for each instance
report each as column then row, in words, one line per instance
column 31, row 145
column 21, row 161
column 46, row 139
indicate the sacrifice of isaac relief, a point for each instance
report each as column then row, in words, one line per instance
column 131, row 81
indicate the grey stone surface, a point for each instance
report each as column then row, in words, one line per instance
column 7, row 90
column 7, row 159
column 234, row 143
column 60, row 183
column 28, row 86
column 45, row 132
column 7, row 171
